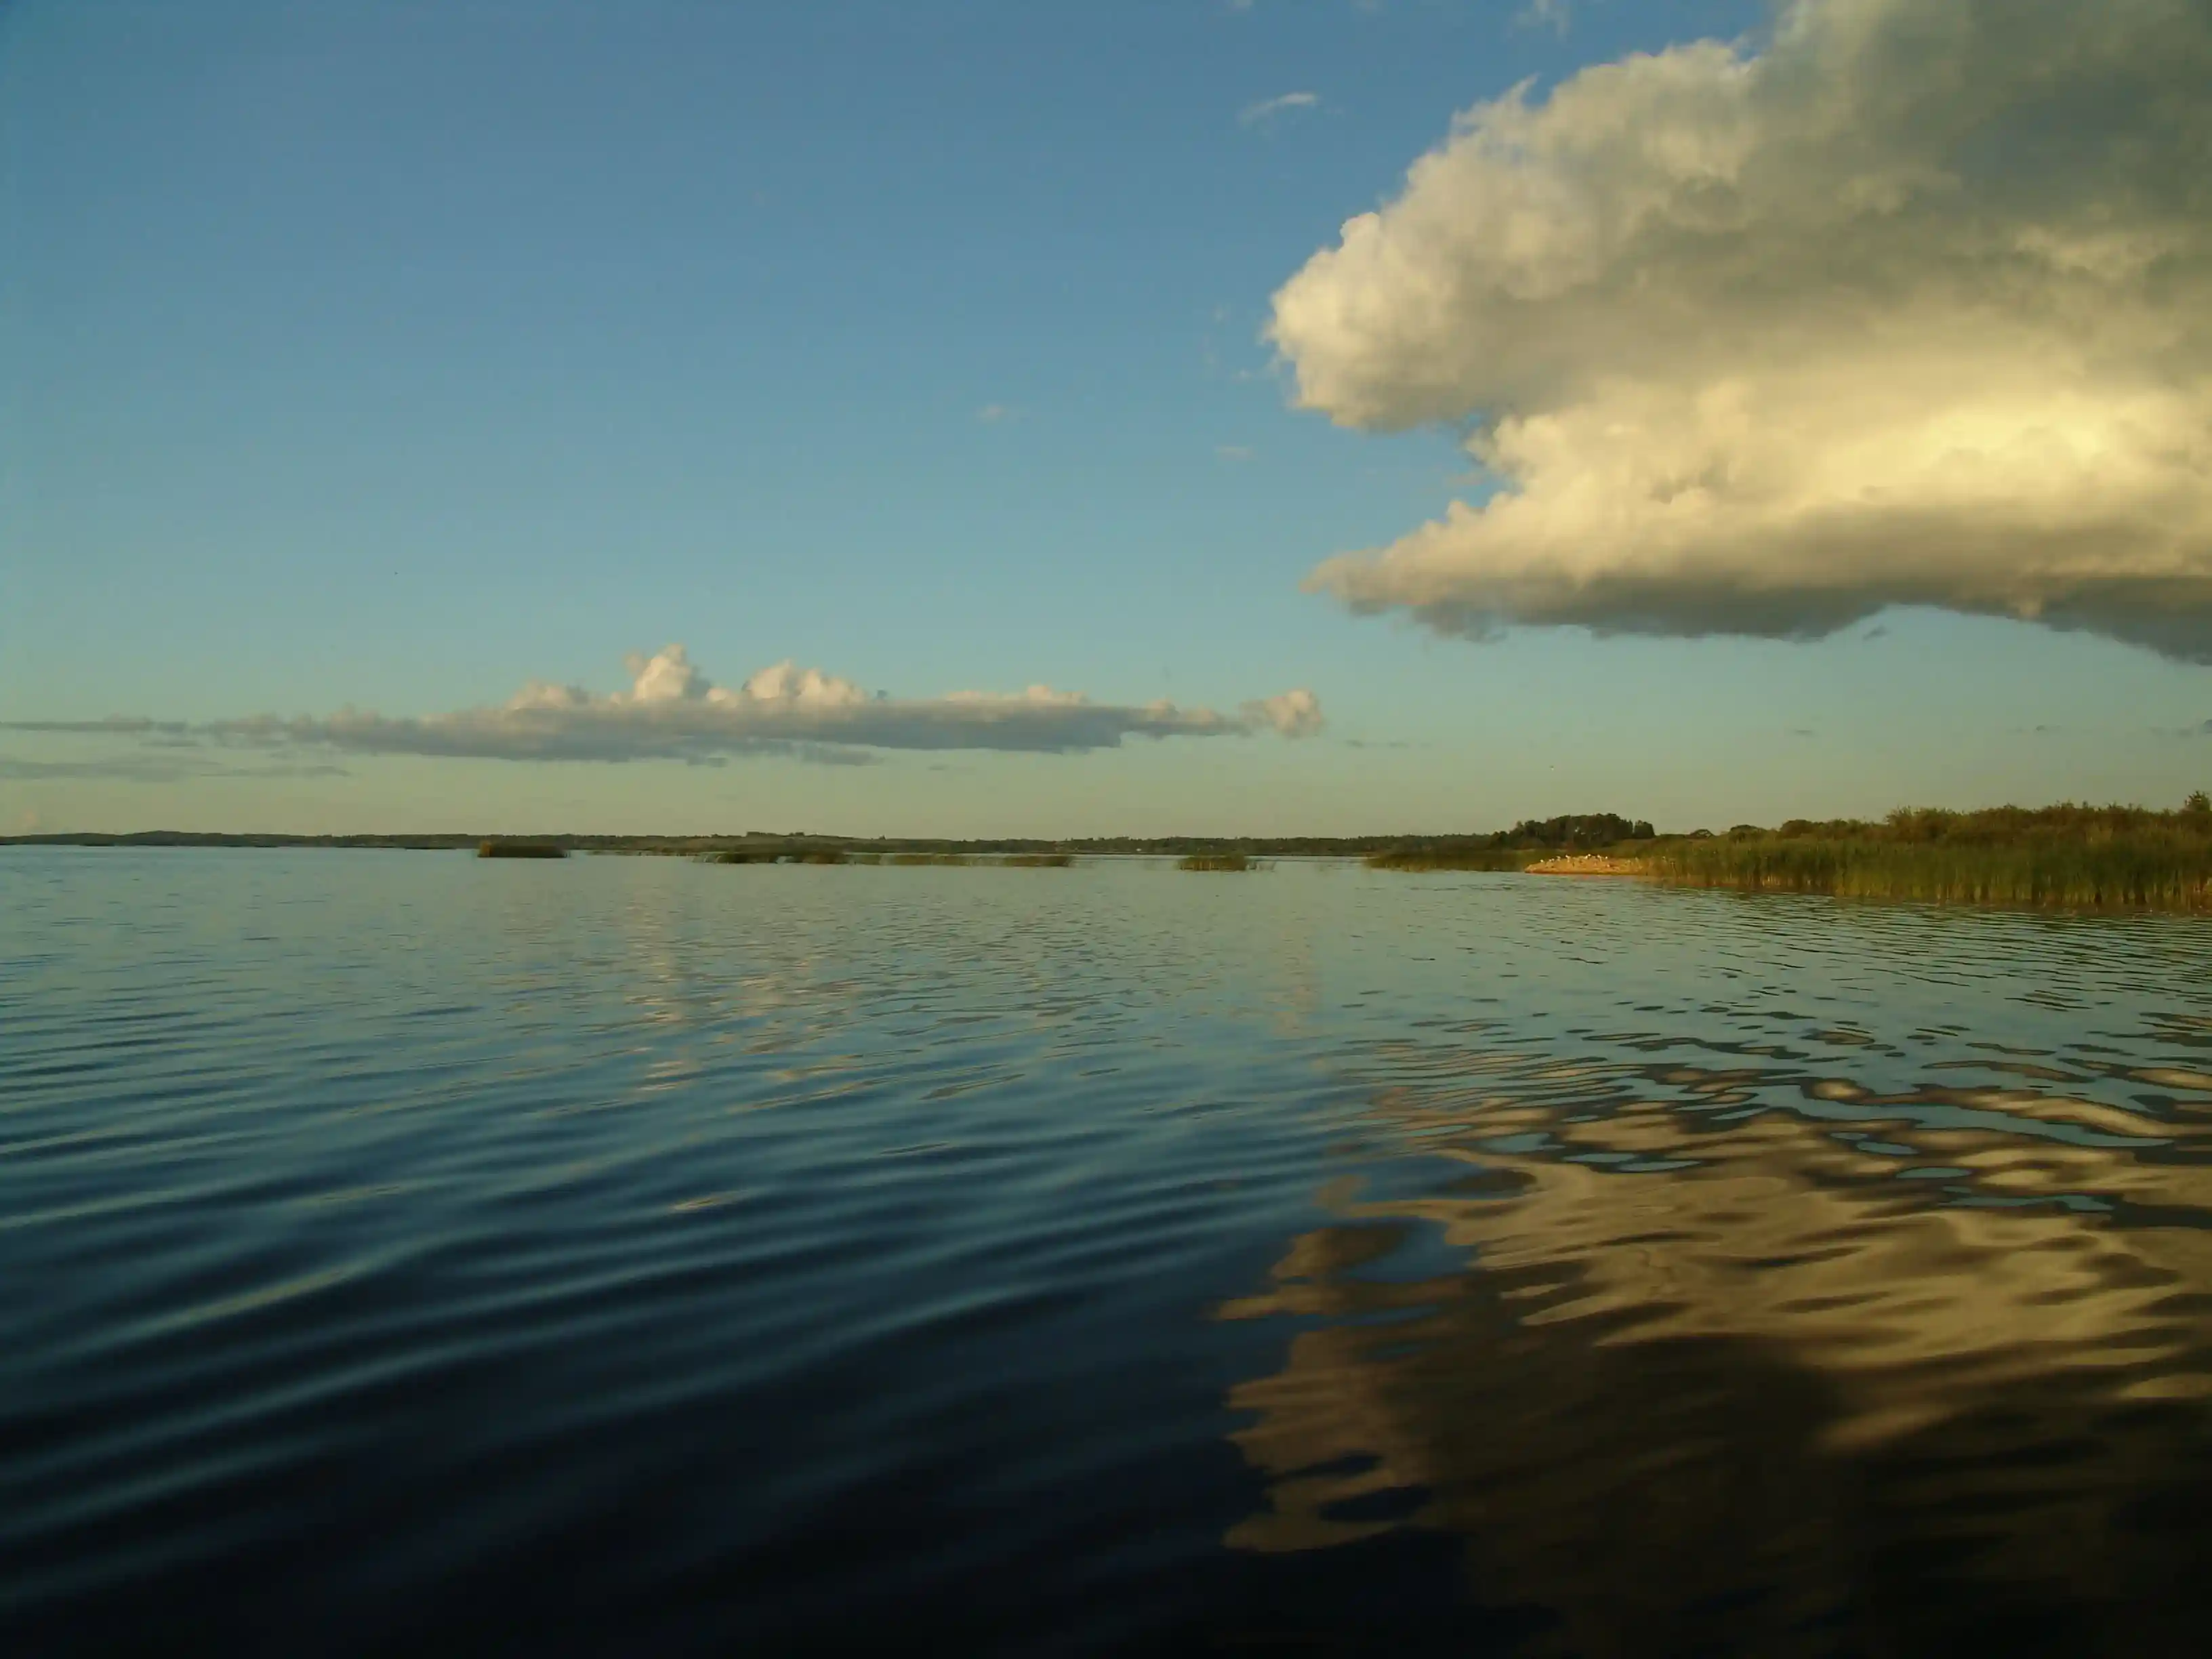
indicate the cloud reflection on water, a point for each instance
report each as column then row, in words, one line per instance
column 1761, row 1357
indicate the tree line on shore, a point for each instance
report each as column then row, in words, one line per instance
column 2070, row 855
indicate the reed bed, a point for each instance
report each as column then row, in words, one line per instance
column 2153, row 870
column 1224, row 862
column 787, row 854
column 521, row 849
column 780, row 855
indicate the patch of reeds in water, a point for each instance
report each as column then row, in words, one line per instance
column 787, row 854
column 521, row 849
column 1466, row 858
column 2150, row 869
column 1228, row 862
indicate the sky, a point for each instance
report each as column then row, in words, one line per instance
column 994, row 418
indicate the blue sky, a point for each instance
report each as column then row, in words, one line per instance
column 390, row 357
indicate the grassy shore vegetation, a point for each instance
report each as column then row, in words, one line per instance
column 521, row 849
column 1235, row 862
column 2068, row 857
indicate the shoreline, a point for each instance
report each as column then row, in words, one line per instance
column 2073, row 859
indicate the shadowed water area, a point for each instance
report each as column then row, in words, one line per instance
column 398, row 1250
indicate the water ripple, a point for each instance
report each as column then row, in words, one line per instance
column 626, row 1255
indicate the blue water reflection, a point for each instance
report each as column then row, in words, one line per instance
column 624, row 1252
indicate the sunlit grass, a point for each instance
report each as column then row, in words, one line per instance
column 2076, row 858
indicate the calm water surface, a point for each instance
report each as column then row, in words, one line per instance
column 398, row 1251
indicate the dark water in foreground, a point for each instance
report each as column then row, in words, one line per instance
column 399, row 1252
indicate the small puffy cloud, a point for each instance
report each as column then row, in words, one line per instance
column 994, row 414
column 1293, row 714
column 789, row 684
column 1235, row 451
column 673, row 711
column 668, row 677
column 1910, row 305
column 1268, row 109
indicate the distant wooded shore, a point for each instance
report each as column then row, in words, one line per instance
column 1570, row 833
column 2064, row 857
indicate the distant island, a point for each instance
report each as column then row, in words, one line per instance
column 2064, row 857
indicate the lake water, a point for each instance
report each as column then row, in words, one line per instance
column 631, row 1255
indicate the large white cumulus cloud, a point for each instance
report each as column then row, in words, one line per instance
column 673, row 711
column 1910, row 303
